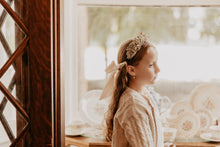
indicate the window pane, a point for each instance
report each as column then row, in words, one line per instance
column 12, row 91
column 187, row 40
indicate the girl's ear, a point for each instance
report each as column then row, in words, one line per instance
column 131, row 70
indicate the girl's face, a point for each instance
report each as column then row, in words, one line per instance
column 147, row 69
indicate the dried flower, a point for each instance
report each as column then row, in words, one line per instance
column 135, row 45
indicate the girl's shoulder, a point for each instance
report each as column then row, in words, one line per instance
column 132, row 104
column 132, row 99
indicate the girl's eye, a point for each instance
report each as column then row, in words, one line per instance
column 151, row 65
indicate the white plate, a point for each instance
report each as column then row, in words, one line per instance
column 92, row 109
column 180, row 107
column 76, row 128
column 206, row 96
column 187, row 125
column 205, row 118
column 208, row 136
column 72, row 134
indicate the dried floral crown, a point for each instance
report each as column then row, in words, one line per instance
column 135, row 45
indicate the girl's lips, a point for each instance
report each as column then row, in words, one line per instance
column 154, row 78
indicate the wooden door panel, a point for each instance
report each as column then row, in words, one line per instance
column 29, row 71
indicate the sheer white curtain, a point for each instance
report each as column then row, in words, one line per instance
column 69, row 60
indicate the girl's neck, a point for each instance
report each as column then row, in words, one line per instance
column 139, row 89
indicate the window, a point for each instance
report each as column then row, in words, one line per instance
column 7, row 47
column 187, row 39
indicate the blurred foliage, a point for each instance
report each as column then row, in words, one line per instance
column 160, row 24
column 211, row 23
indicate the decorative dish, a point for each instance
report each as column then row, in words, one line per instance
column 180, row 107
column 206, row 96
column 169, row 134
column 205, row 117
column 208, row 137
column 75, row 128
column 91, row 108
column 187, row 125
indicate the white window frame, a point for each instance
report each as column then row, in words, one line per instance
column 160, row 3
column 69, row 49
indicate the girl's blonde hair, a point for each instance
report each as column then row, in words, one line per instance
column 122, row 81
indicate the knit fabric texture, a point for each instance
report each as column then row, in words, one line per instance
column 137, row 121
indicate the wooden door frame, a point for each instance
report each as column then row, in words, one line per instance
column 43, row 88
column 58, row 102
column 38, row 73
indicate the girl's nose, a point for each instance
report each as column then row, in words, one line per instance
column 157, row 69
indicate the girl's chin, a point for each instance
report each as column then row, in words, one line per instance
column 155, row 78
column 153, row 81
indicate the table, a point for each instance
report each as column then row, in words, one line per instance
column 86, row 142
column 82, row 141
column 197, row 144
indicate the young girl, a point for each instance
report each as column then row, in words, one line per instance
column 133, row 116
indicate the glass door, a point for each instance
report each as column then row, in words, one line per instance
column 14, row 36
